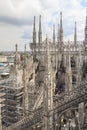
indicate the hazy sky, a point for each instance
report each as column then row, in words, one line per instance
column 16, row 20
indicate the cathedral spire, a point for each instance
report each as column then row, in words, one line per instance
column 16, row 48
column 86, row 22
column 58, row 37
column 34, row 31
column 16, row 54
column 61, row 28
column 60, row 20
column 25, row 48
column 54, row 34
column 75, row 34
column 86, row 29
column 40, row 30
column 25, row 56
column 86, row 17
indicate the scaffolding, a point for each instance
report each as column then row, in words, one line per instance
column 11, row 102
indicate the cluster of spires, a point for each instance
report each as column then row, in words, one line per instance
column 60, row 31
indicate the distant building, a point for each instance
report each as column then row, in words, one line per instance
column 3, row 58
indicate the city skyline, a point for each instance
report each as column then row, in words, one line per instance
column 16, row 20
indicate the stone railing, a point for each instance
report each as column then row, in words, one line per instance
column 28, row 121
column 66, row 99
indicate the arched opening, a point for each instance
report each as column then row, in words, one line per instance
column 84, row 70
column 60, row 88
column 73, row 64
column 60, row 78
column 73, row 80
